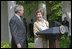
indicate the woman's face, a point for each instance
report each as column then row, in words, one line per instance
column 39, row 16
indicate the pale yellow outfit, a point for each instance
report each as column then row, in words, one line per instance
column 40, row 41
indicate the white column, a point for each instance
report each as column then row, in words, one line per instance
column 11, row 5
column 4, row 22
column 44, row 8
column 66, row 10
column 7, row 11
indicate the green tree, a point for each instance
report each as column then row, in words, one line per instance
column 29, row 6
column 55, row 10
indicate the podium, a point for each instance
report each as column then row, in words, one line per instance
column 53, row 34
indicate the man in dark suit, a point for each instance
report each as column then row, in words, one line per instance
column 17, row 29
column 24, row 20
column 65, row 22
column 31, row 29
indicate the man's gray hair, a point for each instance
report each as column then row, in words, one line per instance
column 17, row 8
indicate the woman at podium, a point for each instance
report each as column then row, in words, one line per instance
column 39, row 25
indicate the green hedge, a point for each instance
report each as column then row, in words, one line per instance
column 65, row 41
column 5, row 45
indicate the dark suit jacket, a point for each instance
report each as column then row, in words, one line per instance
column 66, row 23
column 18, row 32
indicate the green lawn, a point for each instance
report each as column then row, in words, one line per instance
column 30, row 45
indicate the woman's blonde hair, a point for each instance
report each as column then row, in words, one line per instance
column 40, row 11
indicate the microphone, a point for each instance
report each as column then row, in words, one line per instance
column 57, row 23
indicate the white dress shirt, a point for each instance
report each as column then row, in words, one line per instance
column 18, row 17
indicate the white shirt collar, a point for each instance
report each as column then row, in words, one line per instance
column 18, row 16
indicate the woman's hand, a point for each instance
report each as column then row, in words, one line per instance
column 37, row 35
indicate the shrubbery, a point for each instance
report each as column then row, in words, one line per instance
column 65, row 41
column 5, row 45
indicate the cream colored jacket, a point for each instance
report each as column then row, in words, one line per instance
column 37, row 27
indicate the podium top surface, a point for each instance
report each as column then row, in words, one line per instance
column 53, row 30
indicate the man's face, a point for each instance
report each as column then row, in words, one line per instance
column 21, row 11
column 65, row 19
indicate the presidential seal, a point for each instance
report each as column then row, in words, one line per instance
column 62, row 29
